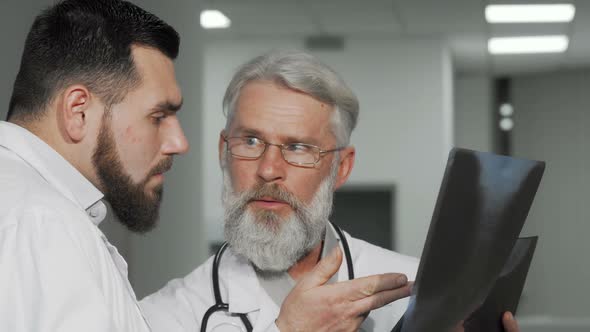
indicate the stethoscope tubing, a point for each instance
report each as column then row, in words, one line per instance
column 222, row 306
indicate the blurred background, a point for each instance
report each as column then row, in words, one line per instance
column 430, row 75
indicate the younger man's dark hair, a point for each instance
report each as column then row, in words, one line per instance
column 85, row 42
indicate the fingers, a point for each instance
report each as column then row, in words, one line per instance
column 459, row 327
column 380, row 299
column 510, row 324
column 323, row 271
column 367, row 286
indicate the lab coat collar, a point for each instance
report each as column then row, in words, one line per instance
column 57, row 171
column 243, row 289
column 245, row 294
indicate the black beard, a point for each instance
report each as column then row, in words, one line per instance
column 136, row 209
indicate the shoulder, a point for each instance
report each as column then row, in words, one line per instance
column 371, row 259
column 47, row 220
column 31, row 238
column 35, row 217
column 26, row 197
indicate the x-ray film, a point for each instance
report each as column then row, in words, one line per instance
column 506, row 292
column 481, row 207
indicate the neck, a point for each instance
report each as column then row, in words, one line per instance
column 54, row 136
column 306, row 264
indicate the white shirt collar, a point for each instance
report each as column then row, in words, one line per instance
column 54, row 169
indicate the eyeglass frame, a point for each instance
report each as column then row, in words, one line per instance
column 282, row 147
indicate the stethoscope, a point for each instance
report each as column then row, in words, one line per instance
column 222, row 306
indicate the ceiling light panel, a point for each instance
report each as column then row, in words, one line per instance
column 541, row 13
column 528, row 45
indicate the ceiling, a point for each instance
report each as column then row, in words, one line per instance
column 460, row 22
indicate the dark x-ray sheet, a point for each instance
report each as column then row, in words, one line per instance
column 506, row 292
column 481, row 207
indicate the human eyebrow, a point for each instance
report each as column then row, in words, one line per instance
column 169, row 106
column 241, row 131
column 285, row 139
column 302, row 140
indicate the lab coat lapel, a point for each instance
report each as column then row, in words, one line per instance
column 243, row 287
column 342, row 273
column 269, row 311
column 245, row 295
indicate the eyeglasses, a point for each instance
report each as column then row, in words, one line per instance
column 297, row 154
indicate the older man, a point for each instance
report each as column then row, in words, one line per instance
column 284, row 150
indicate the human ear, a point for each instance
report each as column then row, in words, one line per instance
column 72, row 112
column 221, row 147
column 347, row 157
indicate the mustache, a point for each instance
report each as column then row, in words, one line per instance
column 163, row 166
column 273, row 191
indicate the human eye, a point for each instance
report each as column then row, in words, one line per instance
column 158, row 117
column 251, row 141
column 297, row 147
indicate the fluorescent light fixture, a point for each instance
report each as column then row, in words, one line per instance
column 523, row 45
column 214, row 19
column 545, row 13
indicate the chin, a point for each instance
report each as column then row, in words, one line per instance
column 270, row 219
column 155, row 193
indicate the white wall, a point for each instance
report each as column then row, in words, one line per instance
column 16, row 17
column 473, row 112
column 552, row 123
column 404, row 131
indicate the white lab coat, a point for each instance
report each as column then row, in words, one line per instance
column 181, row 304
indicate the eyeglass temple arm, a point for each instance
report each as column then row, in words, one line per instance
column 323, row 152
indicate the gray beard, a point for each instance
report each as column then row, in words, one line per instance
column 270, row 242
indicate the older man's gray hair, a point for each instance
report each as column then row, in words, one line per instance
column 302, row 72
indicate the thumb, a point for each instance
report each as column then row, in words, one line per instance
column 510, row 324
column 323, row 271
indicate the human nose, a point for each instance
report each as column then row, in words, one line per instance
column 271, row 165
column 175, row 142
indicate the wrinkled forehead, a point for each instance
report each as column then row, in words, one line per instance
column 276, row 111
